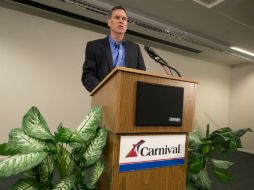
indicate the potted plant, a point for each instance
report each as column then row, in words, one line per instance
column 223, row 140
column 74, row 157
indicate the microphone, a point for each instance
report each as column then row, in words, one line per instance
column 150, row 51
column 161, row 61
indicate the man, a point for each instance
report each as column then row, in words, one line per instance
column 104, row 54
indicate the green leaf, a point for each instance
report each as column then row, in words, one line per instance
column 203, row 180
column 35, row 125
column 191, row 187
column 196, row 164
column 232, row 146
column 32, row 173
column 19, row 140
column 94, row 149
column 48, row 186
column 225, row 146
column 65, row 135
column 206, row 149
column 241, row 132
column 80, row 186
column 224, row 140
column 39, row 176
column 70, row 164
column 225, row 134
column 194, row 140
column 65, row 184
column 79, row 180
column 25, row 184
column 207, row 130
column 238, row 134
column 93, row 173
column 6, row 150
column 78, row 154
column 46, row 169
column 87, row 128
column 20, row 163
column 221, row 164
column 222, row 175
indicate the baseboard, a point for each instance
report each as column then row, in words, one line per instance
column 246, row 150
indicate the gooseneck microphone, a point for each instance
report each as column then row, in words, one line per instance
column 159, row 60
column 150, row 51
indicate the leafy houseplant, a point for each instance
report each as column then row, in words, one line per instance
column 223, row 140
column 74, row 156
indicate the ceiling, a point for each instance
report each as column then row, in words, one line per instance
column 230, row 23
column 178, row 24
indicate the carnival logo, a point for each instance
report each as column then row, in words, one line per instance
column 135, row 149
column 148, row 151
column 151, row 151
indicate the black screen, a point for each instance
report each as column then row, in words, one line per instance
column 158, row 105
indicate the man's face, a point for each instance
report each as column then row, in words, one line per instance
column 118, row 22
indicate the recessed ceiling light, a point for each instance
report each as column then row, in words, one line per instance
column 208, row 3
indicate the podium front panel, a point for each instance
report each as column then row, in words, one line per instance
column 158, row 105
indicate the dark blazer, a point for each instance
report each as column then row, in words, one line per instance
column 98, row 61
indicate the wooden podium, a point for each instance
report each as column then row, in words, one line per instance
column 117, row 94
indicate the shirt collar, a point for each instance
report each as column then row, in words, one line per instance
column 114, row 43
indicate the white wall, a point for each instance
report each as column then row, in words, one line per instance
column 41, row 63
column 212, row 104
column 242, row 102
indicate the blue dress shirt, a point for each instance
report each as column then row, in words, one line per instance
column 117, row 51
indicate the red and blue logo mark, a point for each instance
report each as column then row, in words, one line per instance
column 135, row 149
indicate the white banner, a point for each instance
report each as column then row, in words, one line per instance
column 151, row 151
